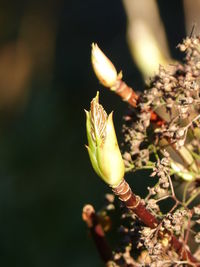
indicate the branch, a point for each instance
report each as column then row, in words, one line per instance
column 128, row 95
column 134, row 203
column 97, row 233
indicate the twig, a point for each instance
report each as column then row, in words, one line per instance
column 125, row 92
column 97, row 233
column 134, row 203
column 128, row 95
column 192, row 197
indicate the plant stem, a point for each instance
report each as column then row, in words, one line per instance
column 134, row 203
column 97, row 233
column 125, row 92
column 130, row 96
column 185, row 191
column 192, row 197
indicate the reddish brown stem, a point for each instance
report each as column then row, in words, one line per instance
column 97, row 233
column 134, row 203
column 131, row 97
column 126, row 93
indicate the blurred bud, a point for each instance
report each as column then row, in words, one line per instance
column 102, row 146
column 103, row 67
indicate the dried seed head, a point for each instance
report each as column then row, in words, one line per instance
column 197, row 210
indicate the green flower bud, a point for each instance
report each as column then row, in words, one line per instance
column 102, row 146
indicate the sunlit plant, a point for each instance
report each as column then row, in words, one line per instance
column 161, row 133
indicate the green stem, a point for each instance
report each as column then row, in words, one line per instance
column 150, row 165
column 192, row 197
column 154, row 150
column 185, row 191
column 195, row 155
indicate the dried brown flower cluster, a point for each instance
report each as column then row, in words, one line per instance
column 163, row 134
column 170, row 147
column 174, row 95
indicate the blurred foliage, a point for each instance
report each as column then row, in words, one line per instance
column 45, row 82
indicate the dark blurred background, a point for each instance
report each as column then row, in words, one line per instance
column 46, row 81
